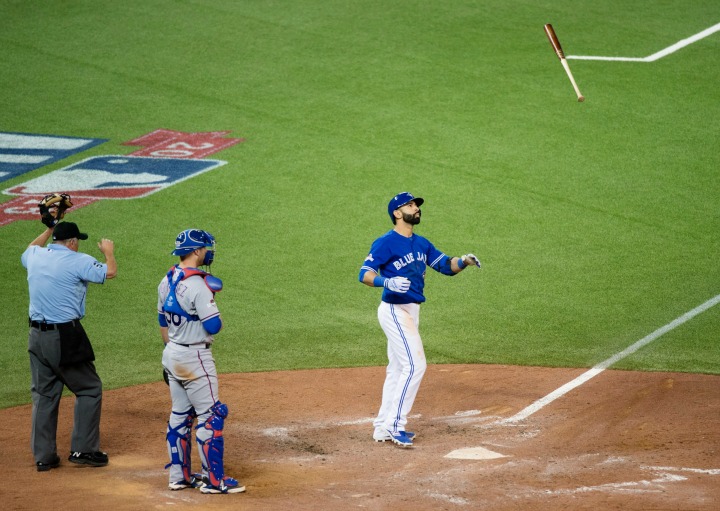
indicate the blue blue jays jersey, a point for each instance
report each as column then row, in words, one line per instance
column 394, row 255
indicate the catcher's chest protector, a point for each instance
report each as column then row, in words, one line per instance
column 171, row 304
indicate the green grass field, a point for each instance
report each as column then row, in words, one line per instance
column 596, row 222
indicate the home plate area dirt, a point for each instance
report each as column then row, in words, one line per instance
column 302, row 440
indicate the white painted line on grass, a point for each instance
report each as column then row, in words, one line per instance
column 541, row 403
column 658, row 55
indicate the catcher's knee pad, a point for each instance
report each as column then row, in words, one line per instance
column 178, row 440
column 210, row 440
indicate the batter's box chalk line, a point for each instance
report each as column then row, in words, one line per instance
column 585, row 377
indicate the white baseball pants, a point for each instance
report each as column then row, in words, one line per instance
column 406, row 364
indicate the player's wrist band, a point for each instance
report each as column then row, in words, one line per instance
column 460, row 263
column 379, row 281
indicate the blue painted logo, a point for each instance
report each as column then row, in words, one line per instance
column 24, row 152
column 116, row 177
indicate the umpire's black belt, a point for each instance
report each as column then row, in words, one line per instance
column 50, row 326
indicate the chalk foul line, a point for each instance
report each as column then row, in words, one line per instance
column 658, row 55
column 599, row 368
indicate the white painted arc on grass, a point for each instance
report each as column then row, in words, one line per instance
column 599, row 368
column 658, row 55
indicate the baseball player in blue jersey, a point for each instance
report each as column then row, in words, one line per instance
column 397, row 262
column 189, row 317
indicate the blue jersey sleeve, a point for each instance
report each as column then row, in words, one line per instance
column 377, row 258
column 438, row 261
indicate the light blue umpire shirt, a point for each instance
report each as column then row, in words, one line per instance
column 57, row 279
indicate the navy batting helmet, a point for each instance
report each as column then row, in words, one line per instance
column 400, row 200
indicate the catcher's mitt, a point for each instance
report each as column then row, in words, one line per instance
column 52, row 208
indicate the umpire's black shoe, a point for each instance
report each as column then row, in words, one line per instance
column 44, row 467
column 94, row 459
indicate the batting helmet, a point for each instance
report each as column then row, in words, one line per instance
column 400, row 200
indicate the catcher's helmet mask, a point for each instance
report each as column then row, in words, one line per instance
column 193, row 239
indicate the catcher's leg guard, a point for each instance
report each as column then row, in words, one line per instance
column 178, row 441
column 211, row 443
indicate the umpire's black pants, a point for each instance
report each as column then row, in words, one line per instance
column 48, row 378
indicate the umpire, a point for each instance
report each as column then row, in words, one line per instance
column 60, row 351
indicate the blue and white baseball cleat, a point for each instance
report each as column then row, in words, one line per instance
column 196, row 481
column 227, row 485
column 383, row 435
column 401, row 438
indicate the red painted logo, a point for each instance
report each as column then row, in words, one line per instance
column 177, row 144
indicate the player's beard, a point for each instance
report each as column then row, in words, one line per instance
column 412, row 219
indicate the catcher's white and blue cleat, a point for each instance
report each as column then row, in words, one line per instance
column 227, row 485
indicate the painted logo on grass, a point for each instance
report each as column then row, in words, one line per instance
column 24, row 152
column 166, row 158
column 116, row 177
column 177, row 144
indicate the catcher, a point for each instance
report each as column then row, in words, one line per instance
column 189, row 318
column 60, row 351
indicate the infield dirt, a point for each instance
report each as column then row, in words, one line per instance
column 302, row 440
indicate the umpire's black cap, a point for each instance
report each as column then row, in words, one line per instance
column 67, row 230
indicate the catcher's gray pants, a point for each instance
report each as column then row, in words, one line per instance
column 48, row 379
column 193, row 383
